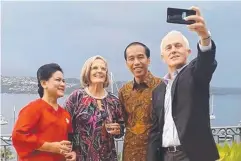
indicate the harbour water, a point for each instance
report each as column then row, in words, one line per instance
column 227, row 109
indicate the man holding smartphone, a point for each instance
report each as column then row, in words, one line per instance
column 181, row 124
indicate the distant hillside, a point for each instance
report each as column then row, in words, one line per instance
column 28, row 85
column 223, row 91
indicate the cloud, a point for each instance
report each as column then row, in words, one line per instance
column 34, row 33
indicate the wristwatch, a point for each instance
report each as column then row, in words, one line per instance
column 209, row 37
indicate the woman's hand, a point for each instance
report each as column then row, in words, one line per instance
column 71, row 156
column 61, row 147
column 57, row 147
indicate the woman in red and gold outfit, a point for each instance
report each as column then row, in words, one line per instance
column 41, row 131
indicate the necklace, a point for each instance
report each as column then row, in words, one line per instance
column 98, row 98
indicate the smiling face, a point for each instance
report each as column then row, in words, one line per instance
column 137, row 61
column 55, row 85
column 175, row 50
column 98, row 72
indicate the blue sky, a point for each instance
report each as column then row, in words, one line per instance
column 35, row 33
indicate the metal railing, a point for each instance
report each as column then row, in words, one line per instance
column 220, row 134
column 228, row 134
column 7, row 151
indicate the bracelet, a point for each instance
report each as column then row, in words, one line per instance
column 206, row 38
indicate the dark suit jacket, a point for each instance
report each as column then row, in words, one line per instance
column 190, row 110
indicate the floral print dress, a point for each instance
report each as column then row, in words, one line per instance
column 94, row 143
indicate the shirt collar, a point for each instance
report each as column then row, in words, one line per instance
column 167, row 78
column 145, row 84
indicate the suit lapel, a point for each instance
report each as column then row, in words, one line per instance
column 161, row 99
column 174, row 84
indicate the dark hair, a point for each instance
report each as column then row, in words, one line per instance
column 147, row 50
column 44, row 73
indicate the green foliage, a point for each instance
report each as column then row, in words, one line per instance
column 8, row 153
column 230, row 152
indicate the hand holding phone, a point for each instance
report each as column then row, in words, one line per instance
column 194, row 21
column 177, row 15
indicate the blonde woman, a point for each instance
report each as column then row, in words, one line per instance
column 96, row 114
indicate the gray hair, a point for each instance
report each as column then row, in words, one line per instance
column 85, row 72
column 174, row 32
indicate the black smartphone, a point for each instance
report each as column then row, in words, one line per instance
column 177, row 15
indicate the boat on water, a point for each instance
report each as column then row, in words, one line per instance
column 212, row 116
column 3, row 121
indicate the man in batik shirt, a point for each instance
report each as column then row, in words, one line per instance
column 135, row 97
